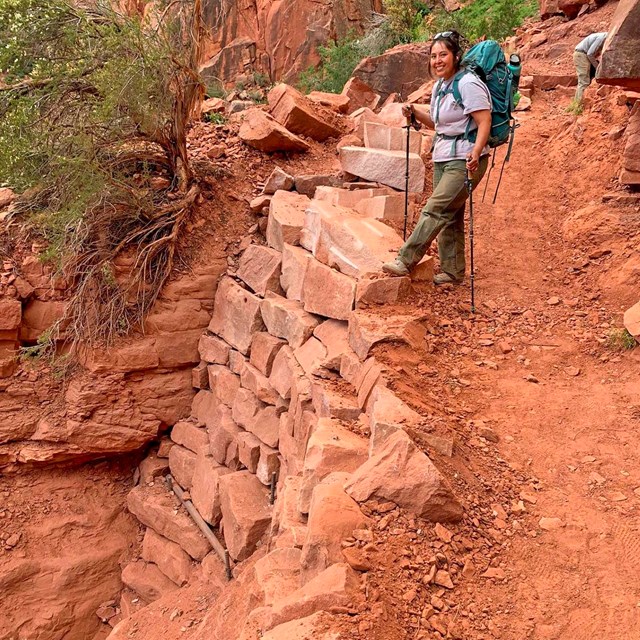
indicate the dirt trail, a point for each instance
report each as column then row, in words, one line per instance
column 575, row 430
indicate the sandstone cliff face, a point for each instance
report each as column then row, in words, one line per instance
column 277, row 38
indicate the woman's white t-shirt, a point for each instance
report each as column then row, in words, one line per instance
column 453, row 118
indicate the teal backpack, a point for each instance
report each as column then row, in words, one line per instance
column 487, row 61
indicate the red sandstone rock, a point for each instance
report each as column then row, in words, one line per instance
column 328, row 292
column 278, row 574
column 7, row 196
column 222, row 433
column 278, row 180
column 401, row 70
column 339, row 238
column 318, row 626
column 631, row 154
column 349, row 198
column 236, row 315
column 360, row 119
column 294, row 267
column 263, row 132
column 245, row 408
column 334, row 335
column 386, row 167
column 328, row 401
column 300, row 115
column 549, row 8
column 258, row 384
column 387, row 414
column 190, row 436
column 200, row 377
column 287, row 319
column 260, row 205
column 422, row 95
column 264, row 348
column 307, row 184
column 155, row 508
column 153, row 467
column 331, row 448
column 311, row 356
column 391, row 138
column 547, row 82
column 286, row 217
column 266, row 426
column 213, row 350
column 335, row 101
column 205, row 489
column 367, row 377
column 168, row 556
column 246, row 514
column 337, row 586
column 571, row 8
column 259, row 268
column 619, row 64
column 360, row 95
column 223, row 384
column 268, row 464
column 38, row 316
column 333, row 517
column 288, row 528
column 147, row 580
column 182, row 464
column 285, row 368
column 400, row 472
column 10, row 314
column 382, row 290
column 248, row 450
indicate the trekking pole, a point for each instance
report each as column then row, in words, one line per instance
column 406, row 181
column 469, row 186
column 486, row 182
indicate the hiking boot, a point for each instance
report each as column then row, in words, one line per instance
column 445, row 278
column 396, row 268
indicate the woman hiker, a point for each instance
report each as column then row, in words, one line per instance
column 453, row 154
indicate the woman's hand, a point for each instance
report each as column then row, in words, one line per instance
column 407, row 110
column 473, row 161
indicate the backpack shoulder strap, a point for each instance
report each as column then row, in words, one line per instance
column 455, row 85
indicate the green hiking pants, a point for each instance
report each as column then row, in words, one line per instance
column 583, row 69
column 443, row 214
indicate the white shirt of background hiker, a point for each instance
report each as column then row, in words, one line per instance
column 453, row 119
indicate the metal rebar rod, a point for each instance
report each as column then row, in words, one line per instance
column 202, row 525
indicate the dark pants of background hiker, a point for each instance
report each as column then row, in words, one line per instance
column 443, row 214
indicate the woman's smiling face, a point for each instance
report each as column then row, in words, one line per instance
column 442, row 60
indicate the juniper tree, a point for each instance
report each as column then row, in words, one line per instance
column 94, row 111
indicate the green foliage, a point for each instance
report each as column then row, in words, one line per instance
column 493, row 19
column 261, row 80
column 621, row 340
column 214, row 89
column 337, row 62
column 406, row 20
column 93, row 105
column 214, row 118
column 575, row 107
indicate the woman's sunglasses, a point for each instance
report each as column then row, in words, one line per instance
column 443, row 35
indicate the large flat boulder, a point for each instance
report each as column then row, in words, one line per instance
column 400, row 472
column 236, row 315
column 400, row 70
column 155, row 508
column 340, row 238
column 246, row 514
column 263, row 132
column 620, row 63
column 386, row 167
column 301, row 115
column 331, row 448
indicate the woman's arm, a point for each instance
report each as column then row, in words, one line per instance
column 421, row 112
column 483, row 119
